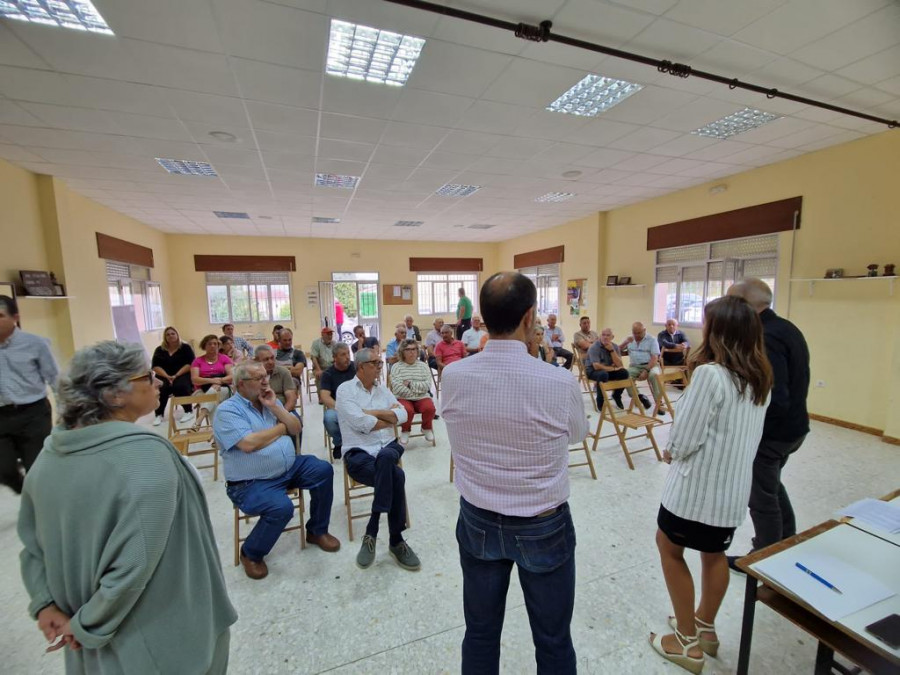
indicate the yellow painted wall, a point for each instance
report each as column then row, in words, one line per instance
column 851, row 203
column 581, row 239
column 316, row 260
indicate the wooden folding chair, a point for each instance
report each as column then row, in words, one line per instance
column 583, row 378
column 633, row 418
column 452, row 466
column 661, row 380
column 418, row 423
column 311, row 382
column 673, row 366
column 184, row 437
column 587, row 455
column 328, row 448
column 354, row 490
column 296, row 496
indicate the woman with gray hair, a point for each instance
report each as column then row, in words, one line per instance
column 119, row 557
column 411, row 384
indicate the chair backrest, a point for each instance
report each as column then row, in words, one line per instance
column 634, row 405
column 195, row 400
column 661, row 380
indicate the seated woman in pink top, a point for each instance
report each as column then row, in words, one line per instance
column 210, row 371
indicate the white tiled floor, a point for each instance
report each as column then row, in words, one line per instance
column 317, row 612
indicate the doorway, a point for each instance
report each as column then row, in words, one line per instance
column 356, row 293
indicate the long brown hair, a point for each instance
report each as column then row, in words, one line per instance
column 167, row 329
column 733, row 338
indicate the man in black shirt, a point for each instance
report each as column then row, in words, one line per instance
column 341, row 371
column 787, row 422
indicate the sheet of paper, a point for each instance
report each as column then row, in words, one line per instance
column 396, row 291
column 407, row 293
column 881, row 515
column 859, row 589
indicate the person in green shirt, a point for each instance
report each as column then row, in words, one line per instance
column 463, row 314
column 119, row 558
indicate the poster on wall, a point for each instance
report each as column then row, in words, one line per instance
column 575, row 296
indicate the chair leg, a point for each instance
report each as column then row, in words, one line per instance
column 624, row 445
column 347, row 502
column 301, row 512
column 590, row 461
column 452, row 467
column 653, row 442
column 237, row 542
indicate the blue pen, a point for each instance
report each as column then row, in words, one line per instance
column 815, row 576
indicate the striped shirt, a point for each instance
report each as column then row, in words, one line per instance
column 357, row 427
column 511, row 419
column 236, row 419
column 243, row 345
column 713, row 443
column 26, row 368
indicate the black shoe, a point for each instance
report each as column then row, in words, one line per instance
column 644, row 401
column 732, row 563
column 336, row 453
column 618, row 401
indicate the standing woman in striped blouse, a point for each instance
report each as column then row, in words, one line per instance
column 711, row 449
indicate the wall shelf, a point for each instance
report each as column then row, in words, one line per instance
column 45, row 297
column 626, row 286
column 812, row 282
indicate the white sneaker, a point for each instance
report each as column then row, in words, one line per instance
column 404, row 438
column 157, row 420
column 186, row 416
column 429, row 435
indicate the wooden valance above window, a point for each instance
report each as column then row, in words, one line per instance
column 446, row 264
column 119, row 250
column 751, row 221
column 245, row 263
column 546, row 256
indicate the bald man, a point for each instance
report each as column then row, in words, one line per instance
column 643, row 353
column 787, row 421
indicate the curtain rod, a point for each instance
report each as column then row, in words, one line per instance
column 541, row 33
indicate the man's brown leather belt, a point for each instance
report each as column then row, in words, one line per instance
column 548, row 512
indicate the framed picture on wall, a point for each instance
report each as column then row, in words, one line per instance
column 7, row 288
column 612, row 280
column 624, row 281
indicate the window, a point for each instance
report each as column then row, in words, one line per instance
column 248, row 297
column 131, row 285
column 546, row 279
column 439, row 293
column 688, row 277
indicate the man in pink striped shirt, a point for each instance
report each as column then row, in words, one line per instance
column 511, row 419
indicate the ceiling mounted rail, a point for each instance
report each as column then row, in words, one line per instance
column 541, row 33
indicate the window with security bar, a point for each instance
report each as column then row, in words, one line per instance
column 688, row 277
column 546, row 280
column 131, row 285
column 248, row 297
column 439, row 293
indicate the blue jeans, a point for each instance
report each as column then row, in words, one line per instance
column 543, row 549
column 388, row 479
column 267, row 499
column 330, row 418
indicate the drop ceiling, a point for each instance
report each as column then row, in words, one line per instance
column 96, row 110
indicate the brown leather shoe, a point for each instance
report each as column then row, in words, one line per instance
column 254, row 570
column 326, row 542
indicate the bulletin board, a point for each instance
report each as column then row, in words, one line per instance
column 396, row 294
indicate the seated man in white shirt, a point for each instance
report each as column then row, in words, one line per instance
column 472, row 337
column 368, row 412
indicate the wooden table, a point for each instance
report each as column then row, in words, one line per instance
column 832, row 636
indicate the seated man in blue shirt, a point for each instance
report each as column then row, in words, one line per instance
column 605, row 364
column 253, row 432
column 672, row 338
column 643, row 353
column 390, row 351
column 368, row 413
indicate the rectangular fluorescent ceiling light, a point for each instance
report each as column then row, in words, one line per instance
column 409, row 223
column 364, row 53
column 324, row 221
column 74, row 14
column 453, row 190
column 555, row 197
column 593, row 95
column 736, row 123
column 185, row 167
column 335, row 181
column 481, row 226
column 237, row 215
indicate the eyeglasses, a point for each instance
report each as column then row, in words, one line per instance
column 378, row 363
column 149, row 376
column 411, row 349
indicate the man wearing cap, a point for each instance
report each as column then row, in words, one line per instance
column 320, row 352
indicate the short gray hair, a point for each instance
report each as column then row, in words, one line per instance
column 96, row 375
column 242, row 370
column 261, row 349
column 340, row 347
column 364, row 355
column 408, row 316
column 755, row 291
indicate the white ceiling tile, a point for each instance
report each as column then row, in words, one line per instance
column 353, row 97
column 199, row 132
column 874, row 68
column 644, row 139
column 277, row 84
column 470, row 142
column 38, row 86
column 293, row 161
column 16, row 154
column 684, row 145
column 14, row 52
column 453, row 69
column 790, row 26
column 449, row 160
column 412, row 135
column 183, row 68
column 173, row 22
column 664, row 39
column 599, row 22
column 531, row 83
column 724, row 18
column 340, row 167
column 647, row 105
column 400, row 156
column 602, row 158
column 60, row 117
column 10, row 113
column 193, row 107
column 891, row 85
column 351, row 128
column 863, row 38
column 695, row 115
column 732, row 59
column 598, row 131
column 145, row 126
column 221, row 155
column 270, row 140
column 425, row 107
column 384, row 16
column 553, row 126
column 332, row 149
column 639, row 162
column 460, row 32
column 775, row 129
column 514, row 147
column 561, row 55
column 810, row 135
column 282, row 118
column 491, row 117
column 495, row 165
